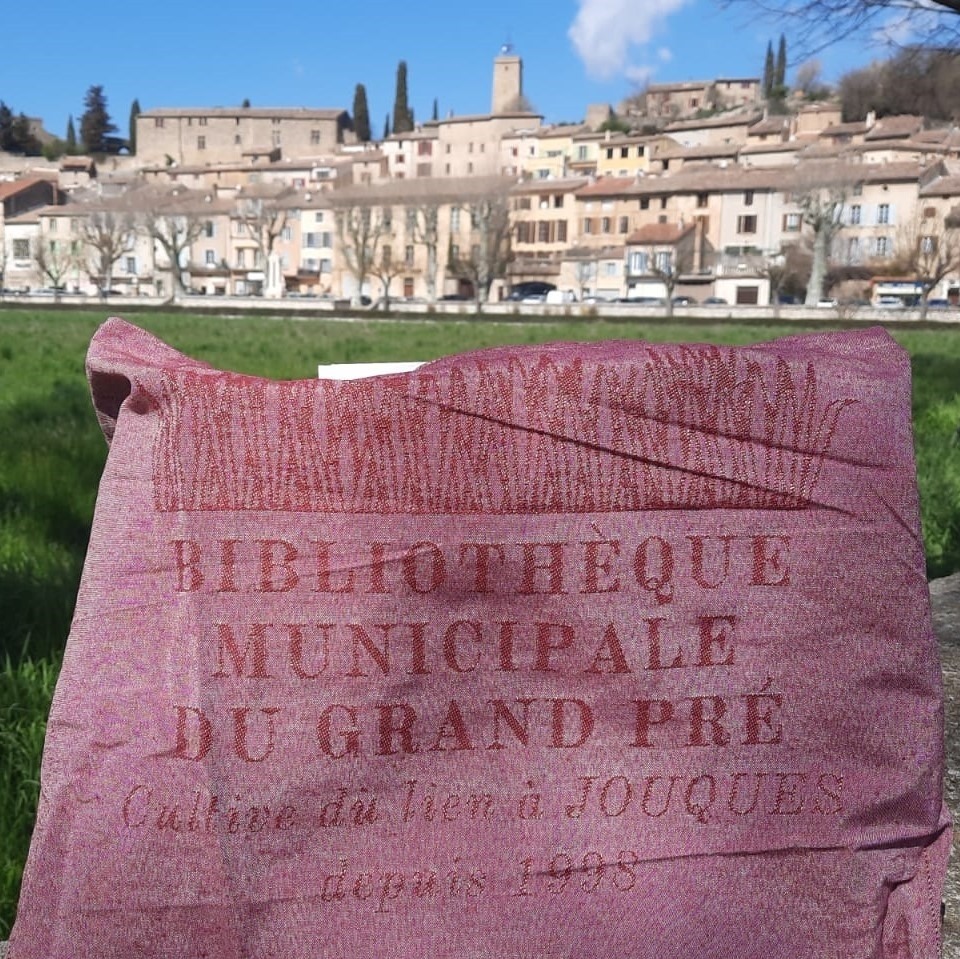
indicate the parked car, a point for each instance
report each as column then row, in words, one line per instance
column 684, row 301
column 458, row 297
column 890, row 303
column 826, row 302
column 530, row 288
column 938, row 304
column 715, row 301
column 643, row 300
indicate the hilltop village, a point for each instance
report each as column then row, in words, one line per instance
column 700, row 194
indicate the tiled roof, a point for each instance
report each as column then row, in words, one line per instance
column 774, row 146
column 666, row 233
column 564, row 185
column 609, row 252
column 703, row 151
column 13, row 187
column 942, row 186
column 564, row 130
column 730, row 119
column 903, row 125
column 256, row 113
column 483, row 117
column 609, row 186
column 683, row 85
column 77, row 163
column 908, row 145
column 771, row 125
column 423, row 189
column 845, row 129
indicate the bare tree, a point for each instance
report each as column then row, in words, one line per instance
column 817, row 24
column 425, row 222
column 664, row 253
column 775, row 270
column 585, row 272
column 173, row 221
column 667, row 271
column 807, row 79
column 360, row 230
column 108, row 234
column 917, row 80
column 490, row 250
column 929, row 248
column 820, row 194
column 386, row 267
column 54, row 259
column 264, row 216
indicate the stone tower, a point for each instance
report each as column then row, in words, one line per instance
column 507, row 81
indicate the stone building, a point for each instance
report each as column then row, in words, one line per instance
column 224, row 134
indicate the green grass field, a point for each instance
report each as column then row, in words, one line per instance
column 52, row 453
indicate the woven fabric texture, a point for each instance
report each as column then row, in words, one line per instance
column 582, row 650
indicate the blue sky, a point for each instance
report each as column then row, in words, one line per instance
column 176, row 53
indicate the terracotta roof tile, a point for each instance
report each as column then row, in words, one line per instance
column 845, row 129
column 903, row 125
column 257, row 113
column 665, row 233
column 13, row 187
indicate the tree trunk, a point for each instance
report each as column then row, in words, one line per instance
column 818, row 268
column 431, row 276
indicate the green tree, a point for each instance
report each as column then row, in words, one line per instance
column 15, row 133
column 615, row 124
column 780, row 69
column 134, row 113
column 768, row 71
column 436, row 109
column 361, row 114
column 71, row 135
column 246, row 103
column 6, row 127
column 95, row 124
column 23, row 139
column 386, row 127
column 402, row 117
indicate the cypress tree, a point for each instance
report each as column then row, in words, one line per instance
column 436, row 109
column 361, row 114
column 134, row 113
column 768, row 71
column 246, row 103
column 6, row 127
column 386, row 127
column 402, row 118
column 95, row 123
column 780, row 70
column 71, row 136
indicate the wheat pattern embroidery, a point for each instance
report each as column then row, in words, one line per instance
column 683, row 427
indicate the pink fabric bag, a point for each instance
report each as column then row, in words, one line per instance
column 582, row 651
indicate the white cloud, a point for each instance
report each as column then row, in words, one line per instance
column 664, row 55
column 604, row 31
column 639, row 76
